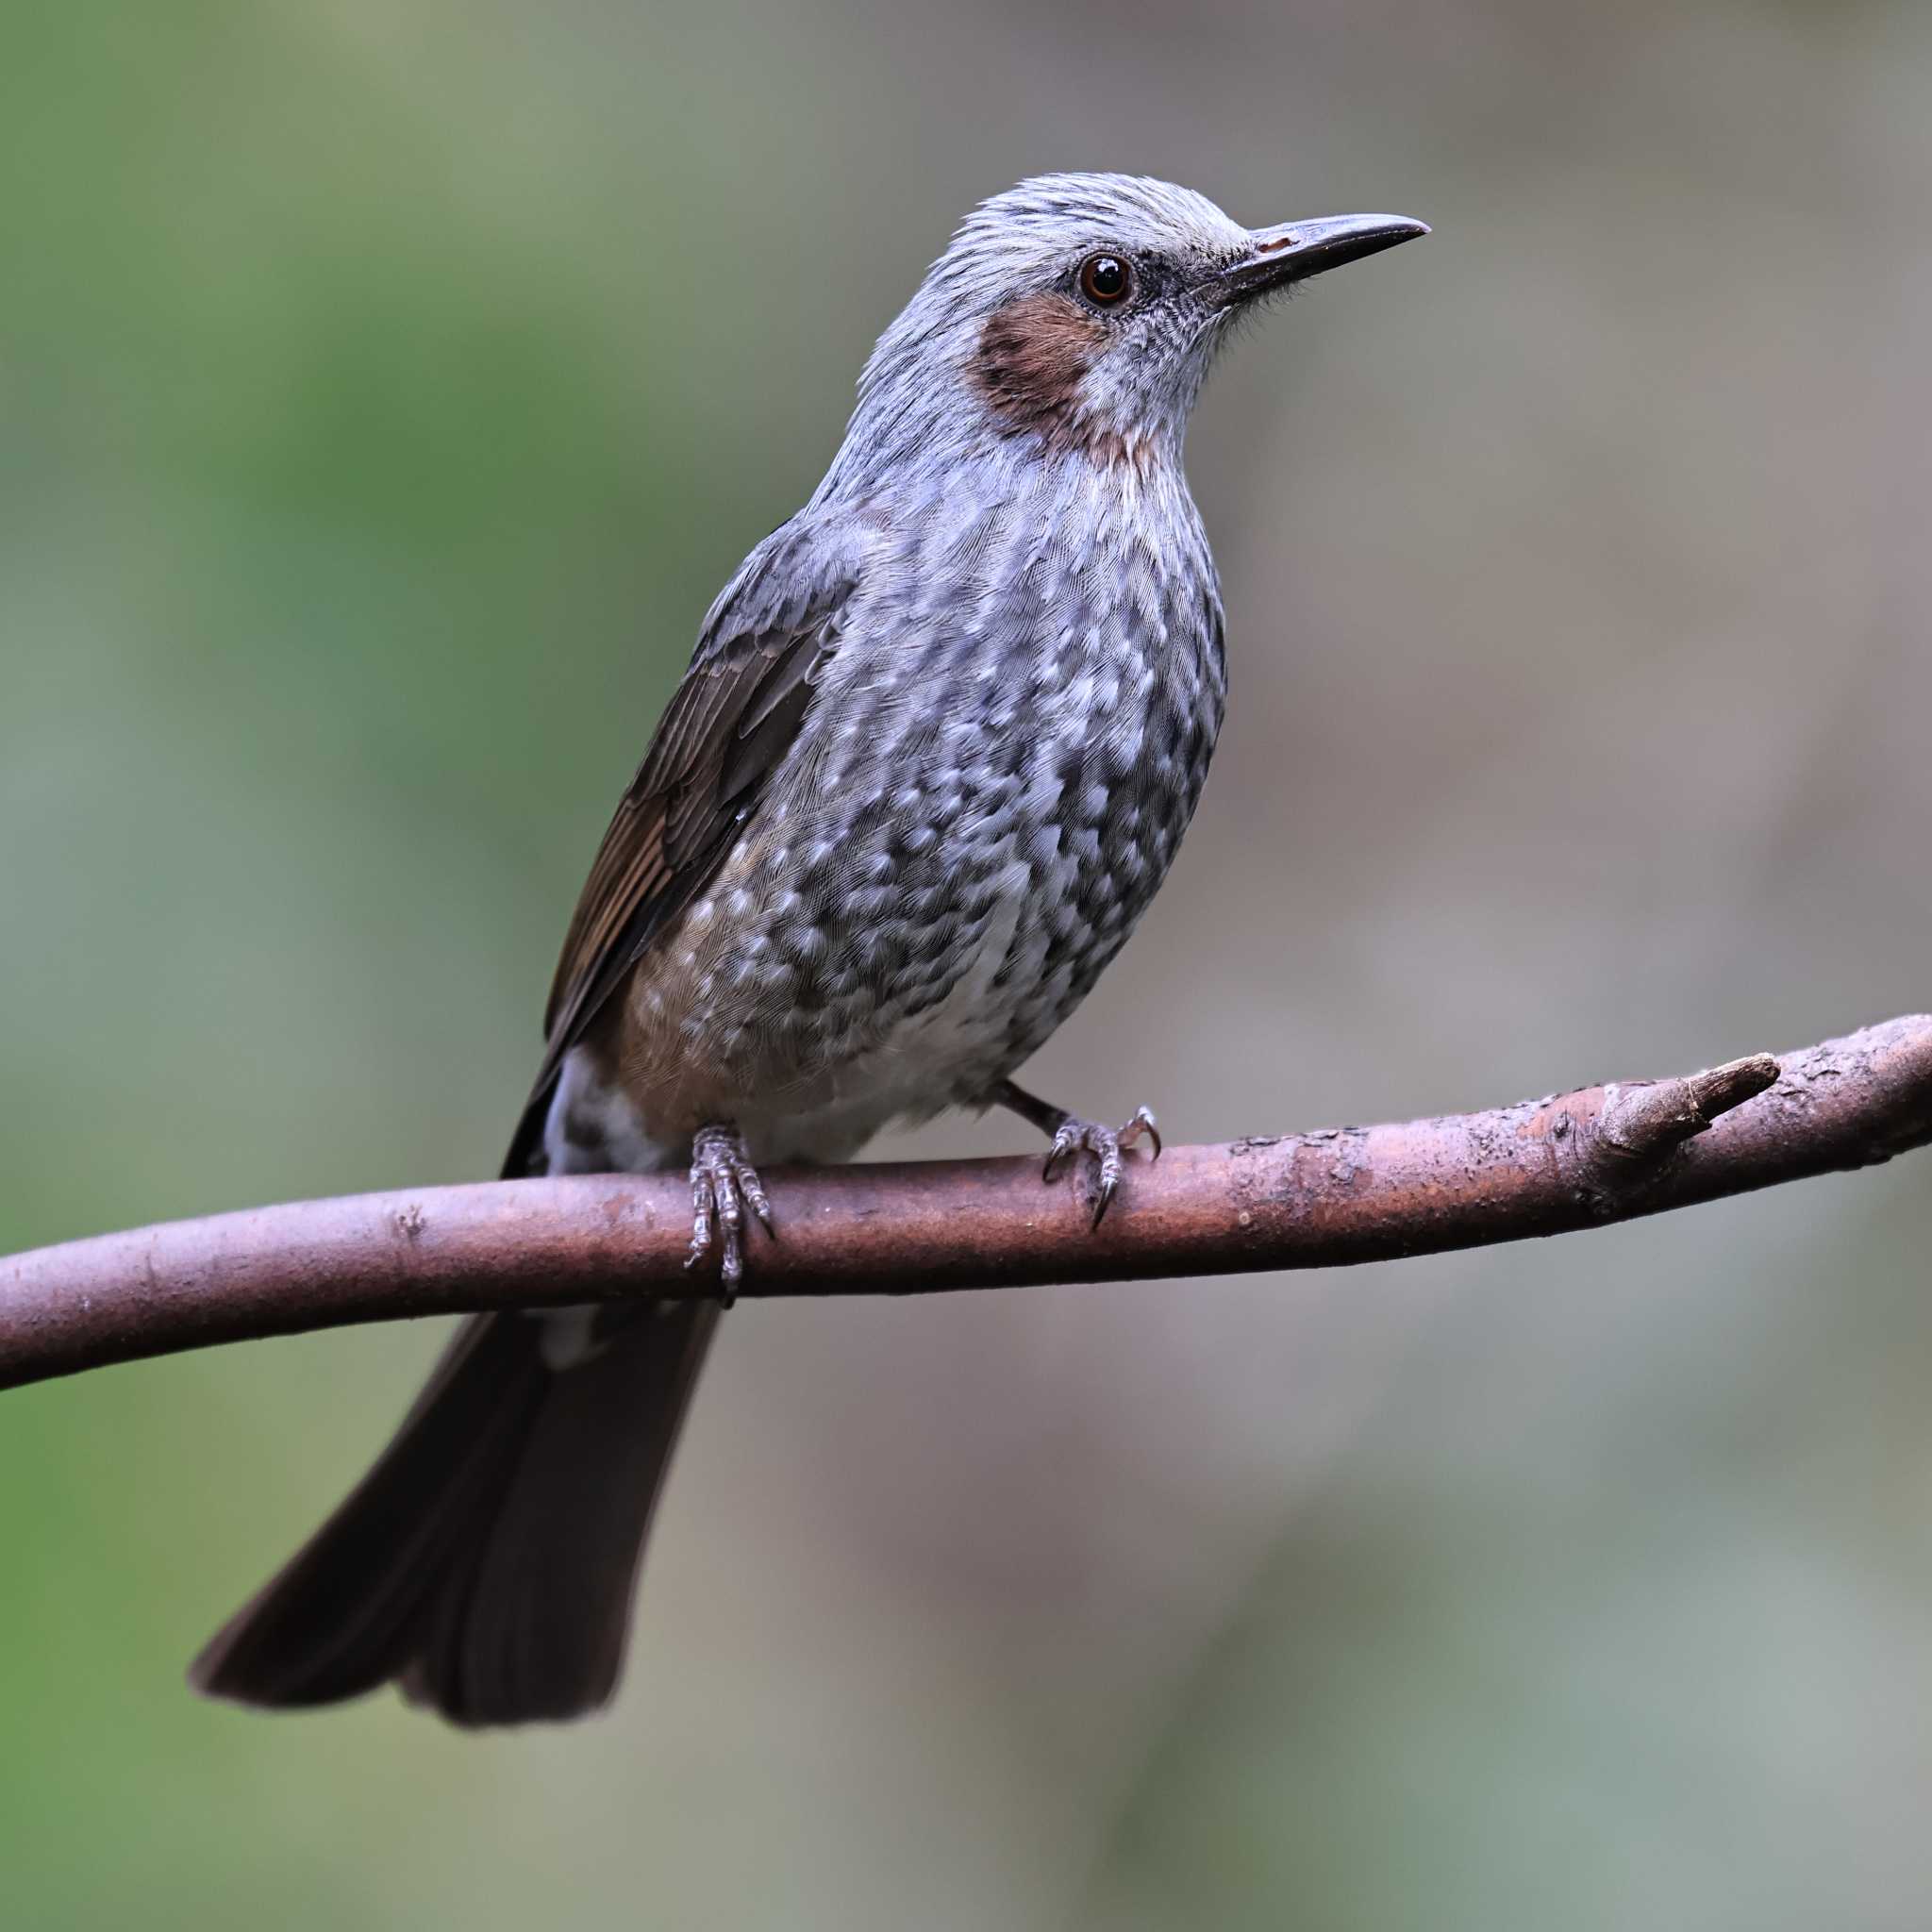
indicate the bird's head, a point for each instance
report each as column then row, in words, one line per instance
column 1080, row 312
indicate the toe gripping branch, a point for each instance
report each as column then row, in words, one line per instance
column 725, row 1186
column 1073, row 1136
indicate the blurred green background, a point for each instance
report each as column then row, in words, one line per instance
column 385, row 388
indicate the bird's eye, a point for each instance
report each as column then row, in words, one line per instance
column 1106, row 280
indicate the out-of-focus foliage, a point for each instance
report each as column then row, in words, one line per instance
column 386, row 385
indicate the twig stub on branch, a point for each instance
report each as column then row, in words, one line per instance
column 1642, row 1121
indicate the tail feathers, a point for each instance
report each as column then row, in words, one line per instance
column 487, row 1560
column 537, row 1625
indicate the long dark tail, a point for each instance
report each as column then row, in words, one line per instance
column 487, row 1561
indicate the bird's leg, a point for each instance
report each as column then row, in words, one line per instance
column 1071, row 1135
column 724, row 1183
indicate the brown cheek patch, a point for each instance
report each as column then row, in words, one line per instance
column 1031, row 357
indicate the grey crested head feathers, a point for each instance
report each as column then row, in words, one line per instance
column 1012, row 335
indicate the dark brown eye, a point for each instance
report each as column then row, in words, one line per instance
column 1106, row 280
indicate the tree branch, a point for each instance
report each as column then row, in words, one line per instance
column 1319, row 1200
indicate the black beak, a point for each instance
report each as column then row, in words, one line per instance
column 1296, row 250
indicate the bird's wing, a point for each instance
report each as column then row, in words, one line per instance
column 727, row 728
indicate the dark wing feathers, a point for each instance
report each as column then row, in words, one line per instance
column 727, row 728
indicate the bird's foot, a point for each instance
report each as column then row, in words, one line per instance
column 725, row 1185
column 1104, row 1146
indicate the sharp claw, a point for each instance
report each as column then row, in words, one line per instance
column 1101, row 1206
column 700, row 1226
column 755, row 1198
column 1110, row 1180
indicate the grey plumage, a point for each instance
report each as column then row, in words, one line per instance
column 939, row 740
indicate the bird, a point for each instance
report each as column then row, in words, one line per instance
column 935, row 751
